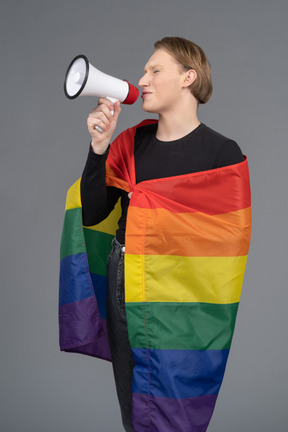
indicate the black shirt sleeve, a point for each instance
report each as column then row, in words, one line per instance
column 98, row 199
column 229, row 154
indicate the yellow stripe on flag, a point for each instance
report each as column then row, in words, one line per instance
column 73, row 199
column 109, row 225
column 160, row 278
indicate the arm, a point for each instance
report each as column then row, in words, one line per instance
column 98, row 200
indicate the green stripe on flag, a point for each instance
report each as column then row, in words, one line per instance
column 72, row 241
column 187, row 326
column 77, row 239
column 98, row 246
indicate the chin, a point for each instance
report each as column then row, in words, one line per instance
column 149, row 109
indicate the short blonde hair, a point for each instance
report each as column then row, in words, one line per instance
column 190, row 56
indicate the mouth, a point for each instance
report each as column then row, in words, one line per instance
column 145, row 94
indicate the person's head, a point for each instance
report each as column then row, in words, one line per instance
column 176, row 65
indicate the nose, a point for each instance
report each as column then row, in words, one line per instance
column 143, row 81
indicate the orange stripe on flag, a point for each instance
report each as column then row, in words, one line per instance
column 187, row 234
column 113, row 180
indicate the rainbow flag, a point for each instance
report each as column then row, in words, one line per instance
column 187, row 241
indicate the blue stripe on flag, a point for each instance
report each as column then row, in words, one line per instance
column 178, row 374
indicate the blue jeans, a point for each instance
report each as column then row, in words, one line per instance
column 122, row 358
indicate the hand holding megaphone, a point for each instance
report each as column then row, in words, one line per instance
column 104, row 117
column 83, row 79
column 98, row 128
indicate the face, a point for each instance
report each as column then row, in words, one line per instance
column 162, row 83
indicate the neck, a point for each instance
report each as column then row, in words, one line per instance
column 177, row 123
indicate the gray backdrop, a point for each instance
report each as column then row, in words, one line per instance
column 44, row 144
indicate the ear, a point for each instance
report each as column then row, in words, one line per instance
column 189, row 78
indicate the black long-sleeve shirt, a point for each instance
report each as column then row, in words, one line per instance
column 202, row 149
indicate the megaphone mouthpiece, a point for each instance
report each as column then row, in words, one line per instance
column 132, row 95
column 83, row 79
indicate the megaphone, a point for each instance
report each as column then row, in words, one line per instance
column 83, row 79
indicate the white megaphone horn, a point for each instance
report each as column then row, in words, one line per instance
column 83, row 79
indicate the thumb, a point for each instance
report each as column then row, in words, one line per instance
column 117, row 109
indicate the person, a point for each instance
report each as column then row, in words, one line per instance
column 177, row 78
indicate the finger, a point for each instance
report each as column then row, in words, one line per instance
column 103, row 108
column 104, row 117
column 101, row 103
column 92, row 123
column 106, row 102
column 117, row 110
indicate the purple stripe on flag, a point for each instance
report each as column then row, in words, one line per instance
column 82, row 329
column 98, row 348
column 158, row 414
